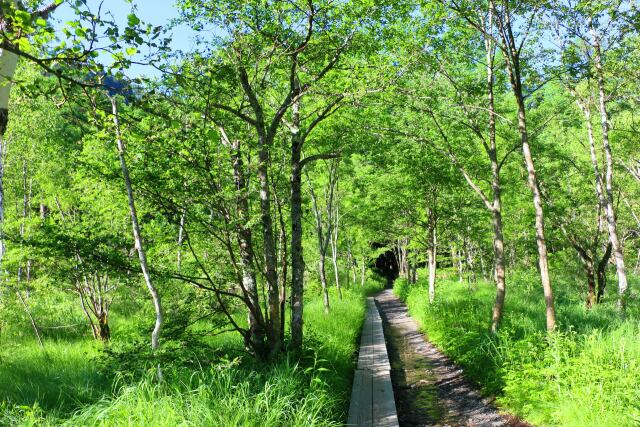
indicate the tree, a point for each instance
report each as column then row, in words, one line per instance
column 139, row 245
column 15, row 22
column 582, row 41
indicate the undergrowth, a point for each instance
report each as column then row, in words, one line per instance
column 67, row 385
column 585, row 374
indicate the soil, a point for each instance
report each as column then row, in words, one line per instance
column 429, row 389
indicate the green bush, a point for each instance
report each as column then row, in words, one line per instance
column 401, row 288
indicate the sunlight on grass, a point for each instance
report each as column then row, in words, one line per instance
column 586, row 374
column 64, row 386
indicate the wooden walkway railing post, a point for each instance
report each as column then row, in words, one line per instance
column 372, row 402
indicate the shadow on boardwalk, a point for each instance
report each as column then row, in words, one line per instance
column 429, row 389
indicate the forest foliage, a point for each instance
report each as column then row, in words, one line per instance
column 219, row 219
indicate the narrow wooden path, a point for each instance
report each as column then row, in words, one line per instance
column 372, row 401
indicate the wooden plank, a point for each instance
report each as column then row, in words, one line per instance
column 372, row 400
column 365, row 357
column 380, row 357
column 360, row 408
column 384, row 405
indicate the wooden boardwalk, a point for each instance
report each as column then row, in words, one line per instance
column 372, row 402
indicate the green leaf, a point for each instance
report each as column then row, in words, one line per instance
column 133, row 20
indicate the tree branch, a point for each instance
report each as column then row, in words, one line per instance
column 323, row 156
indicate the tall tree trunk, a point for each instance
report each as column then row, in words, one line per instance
column 323, row 242
column 255, row 340
column 483, row 269
column 142, row 255
column 499, row 263
column 282, row 277
column 25, row 203
column 269, row 248
column 512, row 59
column 398, row 258
column 104, row 332
column 323, row 282
column 183, row 218
column 336, row 270
column 297, row 260
column 602, row 273
column 432, row 254
column 334, row 249
column 591, row 283
column 459, row 258
column 469, row 251
column 609, row 207
column 405, row 257
column 352, row 264
column 362, row 276
column 539, row 215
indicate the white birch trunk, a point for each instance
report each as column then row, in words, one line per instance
column 608, row 176
column 153, row 291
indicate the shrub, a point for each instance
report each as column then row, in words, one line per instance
column 401, row 288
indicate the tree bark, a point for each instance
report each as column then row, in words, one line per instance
column 349, row 269
column 469, row 252
column 322, row 247
column 499, row 263
column 334, row 247
column 512, row 60
column 496, row 189
column 297, row 260
column 104, row 332
column 459, row 258
column 602, row 273
column 336, row 270
column 323, row 282
column 539, row 214
column 591, row 283
column 142, row 255
column 269, row 248
column 255, row 340
column 618, row 254
column 432, row 254
column 282, row 277
column 183, row 218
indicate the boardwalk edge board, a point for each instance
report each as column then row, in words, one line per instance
column 372, row 401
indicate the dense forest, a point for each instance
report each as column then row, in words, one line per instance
column 192, row 244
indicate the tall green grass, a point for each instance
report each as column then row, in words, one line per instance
column 64, row 386
column 586, row 374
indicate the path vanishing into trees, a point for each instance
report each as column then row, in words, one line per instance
column 429, row 389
